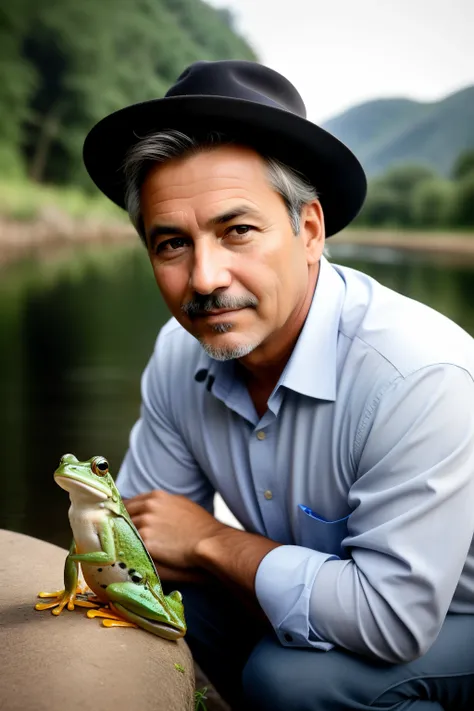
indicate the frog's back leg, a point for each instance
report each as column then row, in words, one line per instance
column 127, row 539
column 175, row 604
column 138, row 604
column 159, row 628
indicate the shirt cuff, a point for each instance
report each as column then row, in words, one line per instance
column 283, row 585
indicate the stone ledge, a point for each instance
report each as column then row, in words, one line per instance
column 71, row 662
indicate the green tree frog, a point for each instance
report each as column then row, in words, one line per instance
column 114, row 560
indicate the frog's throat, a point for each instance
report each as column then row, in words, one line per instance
column 158, row 628
column 77, row 484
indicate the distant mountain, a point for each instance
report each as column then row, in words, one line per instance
column 386, row 132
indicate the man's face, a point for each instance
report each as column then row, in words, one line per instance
column 223, row 252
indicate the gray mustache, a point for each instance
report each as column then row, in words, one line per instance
column 203, row 304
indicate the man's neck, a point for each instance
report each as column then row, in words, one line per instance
column 262, row 368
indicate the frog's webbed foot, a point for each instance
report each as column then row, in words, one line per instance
column 65, row 598
column 110, row 617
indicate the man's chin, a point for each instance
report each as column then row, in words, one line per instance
column 227, row 352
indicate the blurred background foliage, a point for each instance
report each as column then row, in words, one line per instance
column 416, row 196
column 66, row 64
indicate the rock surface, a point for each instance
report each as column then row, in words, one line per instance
column 50, row 663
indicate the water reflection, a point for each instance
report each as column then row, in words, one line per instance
column 75, row 334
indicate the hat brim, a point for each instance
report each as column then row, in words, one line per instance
column 326, row 162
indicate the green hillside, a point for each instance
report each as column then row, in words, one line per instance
column 389, row 132
column 65, row 64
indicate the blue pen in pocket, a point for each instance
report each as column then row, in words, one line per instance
column 319, row 534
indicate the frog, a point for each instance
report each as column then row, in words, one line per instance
column 109, row 551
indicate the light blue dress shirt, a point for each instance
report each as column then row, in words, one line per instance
column 362, row 465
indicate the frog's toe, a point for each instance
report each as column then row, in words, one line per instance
column 103, row 612
column 57, row 605
column 118, row 623
column 62, row 598
column 111, row 619
column 58, row 596
column 45, row 605
column 66, row 600
column 88, row 603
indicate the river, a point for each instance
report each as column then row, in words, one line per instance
column 76, row 330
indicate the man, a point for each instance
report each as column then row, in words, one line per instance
column 334, row 416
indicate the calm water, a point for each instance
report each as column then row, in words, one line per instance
column 76, row 331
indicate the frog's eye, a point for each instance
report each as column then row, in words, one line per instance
column 100, row 466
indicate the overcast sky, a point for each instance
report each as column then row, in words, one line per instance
column 339, row 53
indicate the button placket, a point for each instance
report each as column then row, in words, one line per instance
column 261, row 455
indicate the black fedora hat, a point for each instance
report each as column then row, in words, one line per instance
column 255, row 106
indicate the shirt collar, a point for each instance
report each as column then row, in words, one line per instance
column 311, row 369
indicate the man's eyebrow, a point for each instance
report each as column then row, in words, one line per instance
column 233, row 214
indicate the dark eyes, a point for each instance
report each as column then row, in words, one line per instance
column 241, row 229
column 100, row 466
column 176, row 243
column 169, row 244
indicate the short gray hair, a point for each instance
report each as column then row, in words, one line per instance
column 159, row 147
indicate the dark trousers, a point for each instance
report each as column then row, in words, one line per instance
column 253, row 671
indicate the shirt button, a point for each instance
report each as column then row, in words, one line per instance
column 261, row 435
column 200, row 376
column 268, row 494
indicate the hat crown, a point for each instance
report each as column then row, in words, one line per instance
column 254, row 105
column 238, row 79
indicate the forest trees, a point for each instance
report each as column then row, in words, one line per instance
column 413, row 196
column 65, row 64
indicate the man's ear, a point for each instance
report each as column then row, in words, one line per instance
column 312, row 231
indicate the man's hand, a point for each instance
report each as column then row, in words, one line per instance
column 181, row 536
column 171, row 527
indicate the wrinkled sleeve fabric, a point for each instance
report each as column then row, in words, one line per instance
column 409, row 533
column 158, row 457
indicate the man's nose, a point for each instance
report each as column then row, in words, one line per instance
column 210, row 270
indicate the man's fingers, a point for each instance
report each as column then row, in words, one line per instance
column 140, row 504
column 137, row 520
column 133, row 506
column 144, row 502
column 138, row 497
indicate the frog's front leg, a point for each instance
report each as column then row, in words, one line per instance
column 106, row 555
column 68, row 596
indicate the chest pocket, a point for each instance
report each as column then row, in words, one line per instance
column 321, row 535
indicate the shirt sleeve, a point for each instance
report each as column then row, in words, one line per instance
column 158, row 457
column 409, row 533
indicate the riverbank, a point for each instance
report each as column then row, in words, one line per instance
column 53, row 228
column 461, row 243
column 56, row 230
column 36, row 219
